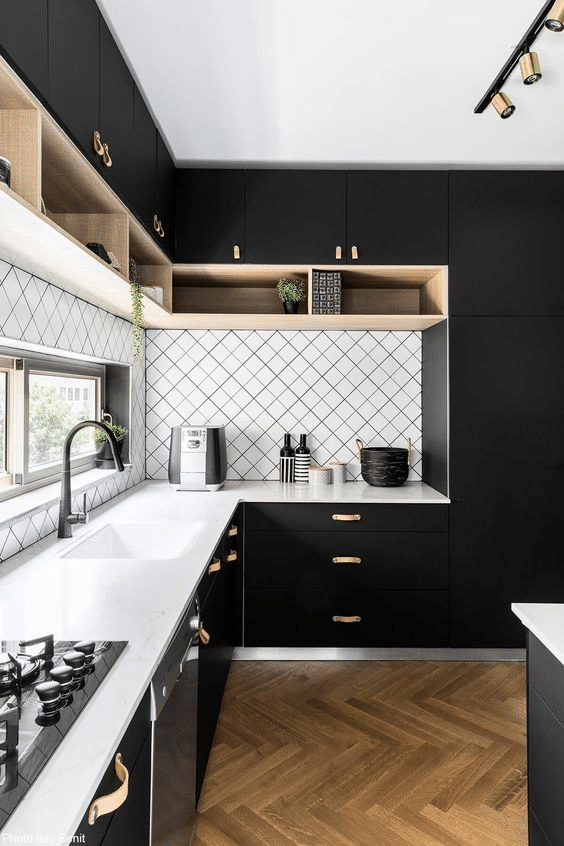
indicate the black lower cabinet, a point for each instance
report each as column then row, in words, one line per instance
column 506, row 464
column 346, row 618
column 130, row 823
column 218, row 594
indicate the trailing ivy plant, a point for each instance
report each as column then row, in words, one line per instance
column 136, row 310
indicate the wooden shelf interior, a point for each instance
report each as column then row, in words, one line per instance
column 111, row 230
column 152, row 266
column 251, row 289
column 223, row 289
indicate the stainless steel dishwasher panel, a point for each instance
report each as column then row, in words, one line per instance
column 175, row 701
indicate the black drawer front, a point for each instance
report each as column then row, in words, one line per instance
column 536, row 834
column 546, row 675
column 388, row 618
column 546, row 767
column 303, row 517
column 304, row 560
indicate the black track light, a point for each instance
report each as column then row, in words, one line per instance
column 503, row 105
column 555, row 19
column 530, row 68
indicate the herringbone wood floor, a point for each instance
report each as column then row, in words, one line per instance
column 368, row 754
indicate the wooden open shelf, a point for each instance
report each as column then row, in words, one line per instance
column 57, row 203
column 244, row 296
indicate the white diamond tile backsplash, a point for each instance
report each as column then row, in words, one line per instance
column 38, row 312
column 333, row 385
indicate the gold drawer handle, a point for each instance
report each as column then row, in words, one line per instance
column 236, row 251
column 97, row 143
column 214, row 566
column 347, row 559
column 204, row 636
column 106, row 158
column 338, row 619
column 354, row 253
column 112, row 801
column 338, row 253
column 232, row 555
column 233, row 530
column 348, row 518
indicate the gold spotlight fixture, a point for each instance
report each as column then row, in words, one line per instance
column 552, row 16
column 555, row 19
column 503, row 105
column 530, row 68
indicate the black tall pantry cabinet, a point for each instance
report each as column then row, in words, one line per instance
column 506, row 301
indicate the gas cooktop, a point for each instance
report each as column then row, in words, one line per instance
column 44, row 685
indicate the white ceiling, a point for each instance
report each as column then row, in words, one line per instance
column 356, row 83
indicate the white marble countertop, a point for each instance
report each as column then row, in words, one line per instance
column 546, row 622
column 138, row 601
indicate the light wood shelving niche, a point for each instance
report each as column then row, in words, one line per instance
column 57, row 203
column 244, row 297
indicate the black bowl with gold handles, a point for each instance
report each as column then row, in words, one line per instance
column 384, row 467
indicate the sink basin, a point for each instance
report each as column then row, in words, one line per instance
column 154, row 541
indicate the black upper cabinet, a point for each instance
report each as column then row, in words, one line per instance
column 116, row 114
column 397, row 217
column 294, row 216
column 210, row 210
column 145, row 162
column 505, row 227
column 24, row 41
column 165, row 201
column 506, row 404
column 74, row 69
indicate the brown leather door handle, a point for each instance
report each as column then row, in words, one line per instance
column 338, row 619
column 346, row 559
column 347, row 518
column 112, row 801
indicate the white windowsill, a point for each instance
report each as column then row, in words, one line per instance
column 27, row 504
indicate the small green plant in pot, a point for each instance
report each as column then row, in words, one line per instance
column 291, row 292
column 104, row 458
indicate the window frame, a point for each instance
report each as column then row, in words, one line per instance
column 20, row 364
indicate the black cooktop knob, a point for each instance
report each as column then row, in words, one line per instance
column 74, row 659
column 62, row 674
column 49, row 693
column 87, row 647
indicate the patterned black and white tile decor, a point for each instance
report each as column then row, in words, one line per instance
column 333, row 385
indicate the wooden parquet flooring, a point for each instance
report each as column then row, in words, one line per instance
column 368, row 754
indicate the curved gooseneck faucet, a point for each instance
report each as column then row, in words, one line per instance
column 66, row 517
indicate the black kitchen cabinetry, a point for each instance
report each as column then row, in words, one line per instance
column 130, row 823
column 545, row 740
column 24, row 42
column 165, row 196
column 316, row 577
column 504, row 228
column 116, row 115
column 218, row 592
column 294, row 216
column 506, row 404
column 210, row 208
column 397, row 217
column 74, row 69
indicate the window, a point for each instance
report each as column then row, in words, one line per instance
column 41, row 399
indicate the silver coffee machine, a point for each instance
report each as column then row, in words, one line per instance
column 198, row 457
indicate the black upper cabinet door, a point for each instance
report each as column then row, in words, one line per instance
column 210, row 210
column 397, row 217
column 145, row 163
column 294, row 216
column 74, row 69
column 116, row 114
column 506, row 465
column 505, row 227
column 24, row 41
column 165, row 194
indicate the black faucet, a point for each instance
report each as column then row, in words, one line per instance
column 66, row 518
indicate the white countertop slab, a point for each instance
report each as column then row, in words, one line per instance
column 138, row 601
column 546, row 622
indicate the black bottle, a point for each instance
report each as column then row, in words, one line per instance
column 302, row 461
column 287, row 459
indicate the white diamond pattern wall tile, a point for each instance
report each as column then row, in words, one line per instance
column 333, row 385
column 35, row 311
